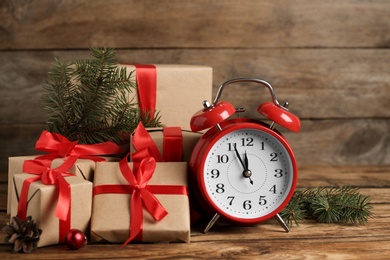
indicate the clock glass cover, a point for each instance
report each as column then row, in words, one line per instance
column 248, row 174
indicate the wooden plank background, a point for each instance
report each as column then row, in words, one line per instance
column 329, row 59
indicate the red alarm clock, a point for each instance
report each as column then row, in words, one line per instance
column 242, row 169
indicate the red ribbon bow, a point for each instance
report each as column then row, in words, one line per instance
column 50, row 176
column 59, row 146
column 140, row 195
column 145, row 146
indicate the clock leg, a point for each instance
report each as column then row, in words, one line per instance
column 211, row 223
column 282, row 223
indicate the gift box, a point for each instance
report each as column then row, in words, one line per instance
column 175, row 91
column 83, row 168
column 43, row 204
column 169, row 144
column 58, row 148
column 116, row 210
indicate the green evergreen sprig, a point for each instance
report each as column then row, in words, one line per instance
column 88, row 99
column 343, row 205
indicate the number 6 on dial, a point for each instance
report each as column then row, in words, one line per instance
column 242, row 169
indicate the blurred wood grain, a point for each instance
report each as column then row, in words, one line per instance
column 78, row 24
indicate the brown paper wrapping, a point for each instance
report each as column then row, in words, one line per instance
column 42, row 202
column 181, row 90
column 189, row 141
column 110, row 220
column 83, row 168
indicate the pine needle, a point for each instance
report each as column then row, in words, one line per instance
column 87, row 100
column 343, row 205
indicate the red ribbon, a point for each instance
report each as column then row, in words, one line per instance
column 146, row 75
column 59, row 146
column 145, row 146
column 173, row 144
column 50, row 176
column 142, row 195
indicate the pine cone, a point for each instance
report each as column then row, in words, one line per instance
column 23, row 234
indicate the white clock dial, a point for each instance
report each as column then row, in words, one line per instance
column 248, row 174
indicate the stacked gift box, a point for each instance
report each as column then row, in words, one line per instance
column 140, row 197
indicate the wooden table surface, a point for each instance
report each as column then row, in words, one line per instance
column 267, row 240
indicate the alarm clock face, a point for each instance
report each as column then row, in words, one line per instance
column 249, row 173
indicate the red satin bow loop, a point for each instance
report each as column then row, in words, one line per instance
column 146, row 89
column 141, row 196
column 145, row 145
column 59, row 146
column 56, row 144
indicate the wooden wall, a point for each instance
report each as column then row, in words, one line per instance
column 329, row 59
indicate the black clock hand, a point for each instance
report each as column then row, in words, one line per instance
column 239, row 157
column 247, row 173
column 246, row 161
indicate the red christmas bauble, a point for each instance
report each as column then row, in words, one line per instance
column 75, row 239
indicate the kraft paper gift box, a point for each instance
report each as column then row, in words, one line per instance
column 42, row 201
column 173, row 143
column 83, row 168
column 175, row 91
column 111, row 211
column 58, row 146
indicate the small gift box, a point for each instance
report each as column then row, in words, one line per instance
column 58, row 148
column 175, row 91
column 150, row 205
column 56, row 199
column 167, row 144
column 83, row 168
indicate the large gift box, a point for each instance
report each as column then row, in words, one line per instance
column 55, row 207
column 175, row 91
column 169, row 144
column 150, row 205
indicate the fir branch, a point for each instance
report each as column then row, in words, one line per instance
column 87, row 99
column 343, row 205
